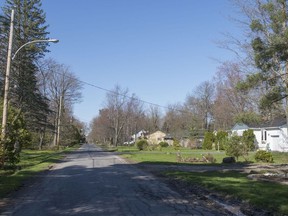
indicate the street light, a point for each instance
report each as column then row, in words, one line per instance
column 9, row 59
column 35, row 41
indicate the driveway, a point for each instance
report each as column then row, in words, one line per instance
column 93, row 182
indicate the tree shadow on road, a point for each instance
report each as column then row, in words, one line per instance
column 100, row 188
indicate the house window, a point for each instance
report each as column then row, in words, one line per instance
column 264, row 135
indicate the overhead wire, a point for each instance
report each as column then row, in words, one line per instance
column 113, row 92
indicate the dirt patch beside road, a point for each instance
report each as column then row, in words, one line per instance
column 196, row 193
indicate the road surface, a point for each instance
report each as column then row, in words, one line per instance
column 92, row 182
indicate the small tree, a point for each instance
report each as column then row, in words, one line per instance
column 220, row 139
column 237, row 146
column 248, row 138
column 16, row 137
column 233, row 146
column 208, row 140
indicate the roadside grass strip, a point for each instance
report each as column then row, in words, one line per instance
column 169, row 155
column 32, row 162
column 266, row 195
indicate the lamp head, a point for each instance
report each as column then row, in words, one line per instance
column 53, row 40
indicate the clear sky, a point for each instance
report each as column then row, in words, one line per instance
column 159, row 49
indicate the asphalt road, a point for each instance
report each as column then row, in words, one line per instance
column 92, row 182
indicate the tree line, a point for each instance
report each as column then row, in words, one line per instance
column 42, row 91
column 252, row 88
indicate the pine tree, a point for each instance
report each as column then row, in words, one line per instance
column 24, row 96
column 29, row 25
column 269, row 32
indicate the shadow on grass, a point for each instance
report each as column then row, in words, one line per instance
column 267, row 195
column 239, row 165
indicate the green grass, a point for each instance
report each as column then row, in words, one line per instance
column 267, row 195
column 32, row 162
column 168, row 155
column 262, row 194
column 280, row 157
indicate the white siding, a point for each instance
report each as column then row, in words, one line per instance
column 276, row 138
column 238, row 132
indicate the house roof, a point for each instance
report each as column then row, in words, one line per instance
column 168, row 136
column 240, row 126
column 156, row 135
column 277, row 122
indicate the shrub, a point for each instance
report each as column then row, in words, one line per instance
column 151, row 147
column 220, row 140
column 176, row 144
column 264, row 156
column 17, row 136
column 248, row 138
column 142, row 145
column 209, row 158
column 163, row 144
column 234, row 147
column 208, row 141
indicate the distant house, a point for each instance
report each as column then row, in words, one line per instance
column 169, row 139
column 269, row 135
column 156, row 138
column 140, row 135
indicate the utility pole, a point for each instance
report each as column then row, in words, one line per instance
column 59, row 121
column 7, row 77
column 6, row 90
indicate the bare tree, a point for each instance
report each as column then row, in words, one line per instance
column 154, row 119
column 62, row 89
column 176, row 121
column 123, row 112
column 230, row 101
column 101, row 128
column 202, row 102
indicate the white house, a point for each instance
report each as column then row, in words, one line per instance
column 141, row 134
column 269, row 135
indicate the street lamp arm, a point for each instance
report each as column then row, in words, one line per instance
column 35, row 41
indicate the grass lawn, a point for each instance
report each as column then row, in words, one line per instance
column 271, row 196
column 169, row 155
column 262, row 194
column 32, row 162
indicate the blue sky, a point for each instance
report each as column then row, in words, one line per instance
column 159, row 49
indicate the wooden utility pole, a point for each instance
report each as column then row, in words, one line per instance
column 7, row 77
column 59, row 121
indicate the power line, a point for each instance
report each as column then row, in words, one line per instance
column 127, row 96
column 116, row 93
column 113, row 92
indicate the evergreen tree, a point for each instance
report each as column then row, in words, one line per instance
column 220, row 140
column 248, row 139
column 208, row 141
column 29, row 25
column 269, row 32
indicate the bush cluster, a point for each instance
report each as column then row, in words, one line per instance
column 209, row 157
column 163, row 144
column 264, row 156
column 142, row 144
